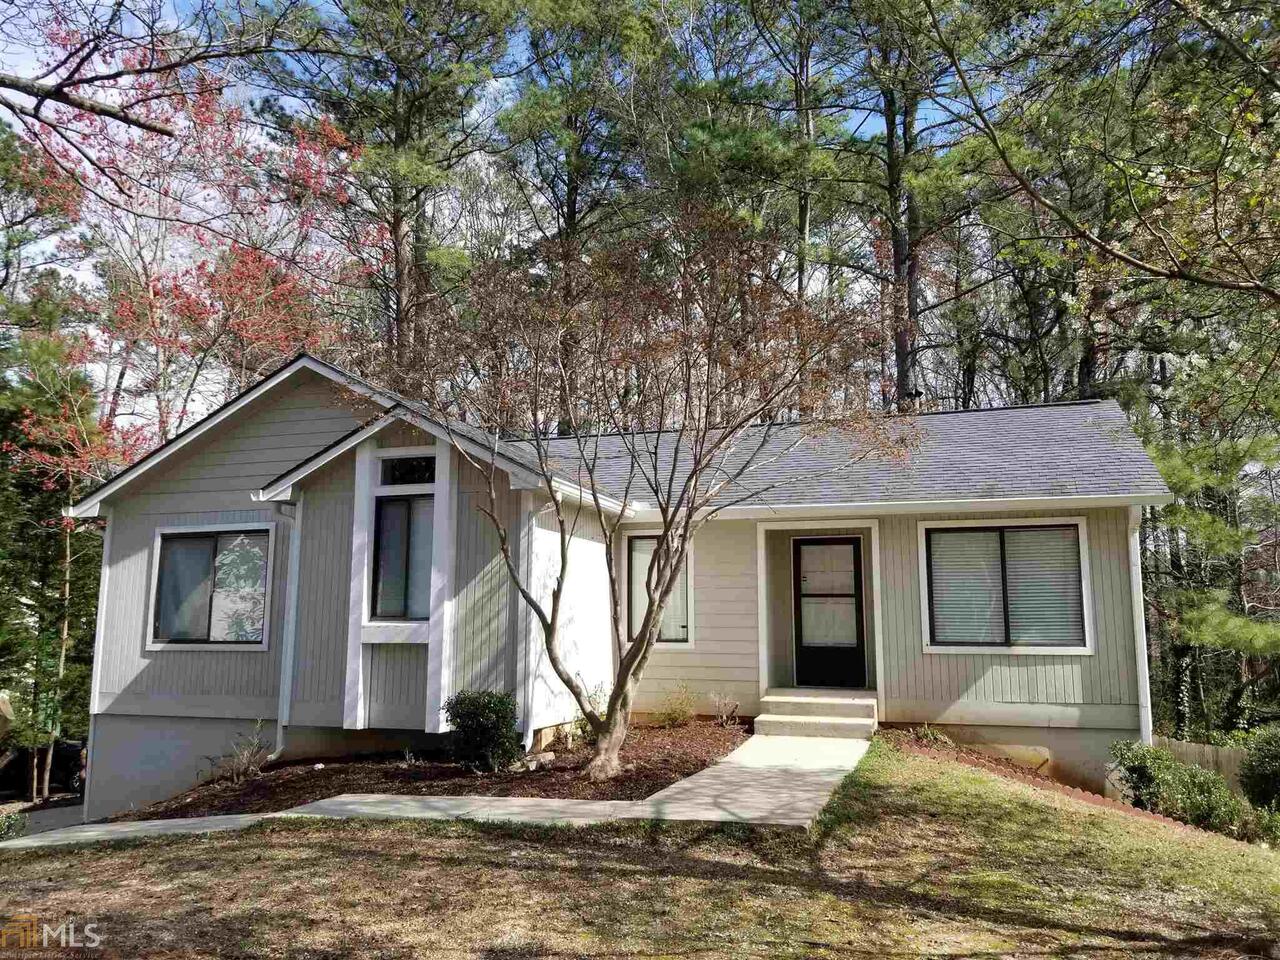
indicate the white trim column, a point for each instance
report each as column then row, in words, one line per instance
column 290, row 632
column 1139, row 623
column 440, row 628
column 99, row 648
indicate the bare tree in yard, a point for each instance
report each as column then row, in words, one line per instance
column 695, row 370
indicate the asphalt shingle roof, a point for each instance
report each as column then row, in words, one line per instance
column 1084, row 449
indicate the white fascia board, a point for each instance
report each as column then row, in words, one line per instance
column 88, row 507
column 873, row 508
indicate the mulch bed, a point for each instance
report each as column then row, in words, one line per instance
column 908, row 742
column 653, row 758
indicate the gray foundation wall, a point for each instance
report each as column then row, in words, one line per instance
column 1075, row 756
column 138, row 760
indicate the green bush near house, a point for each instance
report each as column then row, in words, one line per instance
column 1260, row 771
column 1159, row 782
column 485, row 736
column 12, row 825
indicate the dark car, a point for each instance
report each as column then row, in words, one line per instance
column 67, row 772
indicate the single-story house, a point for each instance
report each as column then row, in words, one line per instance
column 311, row 557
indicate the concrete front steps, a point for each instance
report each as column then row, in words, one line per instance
column 817, row 712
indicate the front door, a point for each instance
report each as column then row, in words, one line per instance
column 827, row 574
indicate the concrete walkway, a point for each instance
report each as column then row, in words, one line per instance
column 768, row 781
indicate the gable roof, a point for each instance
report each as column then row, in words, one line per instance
column 1080, row 451
column 509, row 456
column 1084, row 450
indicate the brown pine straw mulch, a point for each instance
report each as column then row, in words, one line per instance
column 652, row 757
column 908, row 741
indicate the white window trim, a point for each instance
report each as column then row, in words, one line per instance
column 155, row 644
column 1086, row 599
column 363, row 630
column 667, row 646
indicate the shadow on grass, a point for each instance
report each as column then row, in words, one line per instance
column 613, row 878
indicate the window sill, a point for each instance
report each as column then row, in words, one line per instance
column 155, row 646
column 995, row 651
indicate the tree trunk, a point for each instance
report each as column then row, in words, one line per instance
column 804, row 123
column 606, row 765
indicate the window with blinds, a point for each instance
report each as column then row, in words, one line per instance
column 675, row 616
column 1005, row 586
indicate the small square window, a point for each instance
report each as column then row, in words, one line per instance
column 401, row 471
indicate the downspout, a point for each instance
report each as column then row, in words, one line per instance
column 290, row 629
column 1139, row 624
column 526, row 615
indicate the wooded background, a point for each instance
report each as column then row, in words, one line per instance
column 1030, row 202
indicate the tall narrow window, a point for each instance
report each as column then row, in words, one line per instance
column 212, row 587
column 402, row 558
column 675, row 618
column 1005, row 586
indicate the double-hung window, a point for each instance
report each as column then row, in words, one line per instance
column 1018, row 587
column 402, row 538
column 212, row 587
column 675, row 618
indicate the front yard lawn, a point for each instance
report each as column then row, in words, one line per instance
column 913, row 857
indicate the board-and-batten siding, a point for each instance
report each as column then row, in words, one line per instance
column 210, row 482
column 485, row 598
column 918, row 685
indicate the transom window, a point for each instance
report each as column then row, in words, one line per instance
column 212, row 587
column 675, row 618
column 1005, row 586
column 400, row 471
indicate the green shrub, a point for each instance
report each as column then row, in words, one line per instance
column 677, row 708
column 484, row 729
column 1260, row 771
column 1159, row 782
column 12, row 825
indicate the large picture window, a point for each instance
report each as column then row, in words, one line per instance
column 402, row 558
column 675, row 618
column 212, row 587
column 1005, row 586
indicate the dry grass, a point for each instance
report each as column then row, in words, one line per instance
column 914, row 857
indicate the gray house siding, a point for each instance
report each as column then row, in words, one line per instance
column 324, row 577
column 725, row 654
column 218, row 683
column 211, row 482
column 1084, row 691
column 485, row 599
column 920, row 686
column 397, row 688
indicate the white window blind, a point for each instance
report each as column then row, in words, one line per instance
column 1001, row 586
column 675, row 618
column 1043, row 573
column 967, row 598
